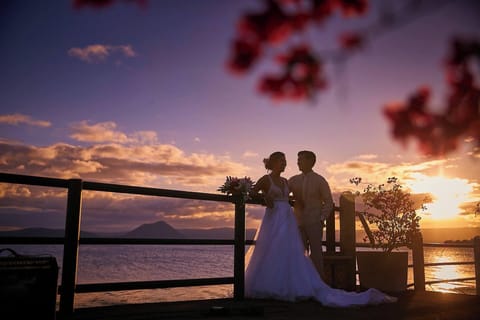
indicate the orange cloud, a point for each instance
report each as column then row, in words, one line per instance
column 116, row 158
column 408, row 173
column 17, row 118
column 99, row 132
column 99, row 53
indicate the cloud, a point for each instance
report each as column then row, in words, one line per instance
column 80, row 4
column 377, row 172
column 17, row 118
column 249, row 154
column 96, row 53
column 367, row 156
column 410, row 175
column 113, row 156
column 106, row 132
column 99, row 132
column 127, row 164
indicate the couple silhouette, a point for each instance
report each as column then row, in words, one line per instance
column 286, row 262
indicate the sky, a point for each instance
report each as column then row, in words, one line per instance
column 138, row 93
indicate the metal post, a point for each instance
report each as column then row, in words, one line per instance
column 476, row 250
column 347, row 235
column 418, row 263
column 70, row 248
column 239, row 250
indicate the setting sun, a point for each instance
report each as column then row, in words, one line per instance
column 448, row 194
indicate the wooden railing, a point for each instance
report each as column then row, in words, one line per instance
column 72, row 240
column 419, row 264
column 345, row 257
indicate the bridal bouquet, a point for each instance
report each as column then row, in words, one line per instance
column 234, row 185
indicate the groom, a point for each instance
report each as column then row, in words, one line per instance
column 313, row 205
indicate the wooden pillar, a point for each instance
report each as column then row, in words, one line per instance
column 239, row 250
column 70, row 247
column 418, row 263
column 476, row 250
column 347, row 235
column 330, row 233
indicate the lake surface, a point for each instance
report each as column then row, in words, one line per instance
column 120, row 263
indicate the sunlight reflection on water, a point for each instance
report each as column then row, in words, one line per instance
column 435, row 273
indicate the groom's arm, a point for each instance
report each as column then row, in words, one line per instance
column 293, row 186
column 327, row 199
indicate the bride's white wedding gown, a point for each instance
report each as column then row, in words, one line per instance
column 277, row 268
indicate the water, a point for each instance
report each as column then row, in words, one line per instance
column 120, row 263
column 432, row 273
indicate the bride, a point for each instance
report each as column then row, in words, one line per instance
column 276, row 267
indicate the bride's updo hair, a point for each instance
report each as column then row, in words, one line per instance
column 272, row 159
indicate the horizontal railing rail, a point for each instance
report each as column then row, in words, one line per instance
column 115, row 188
column 144, row 285
column 450, row 280
column 119, row 241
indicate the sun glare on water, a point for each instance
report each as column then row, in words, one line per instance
column 447, row 194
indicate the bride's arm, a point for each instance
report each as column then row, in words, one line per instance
column 260, row 189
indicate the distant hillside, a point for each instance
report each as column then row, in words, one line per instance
column 42, row 232
column 159, row 229
column 449, row 234
column 439, row 235
column 215, row 233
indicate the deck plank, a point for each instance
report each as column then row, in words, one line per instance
column 411, row 305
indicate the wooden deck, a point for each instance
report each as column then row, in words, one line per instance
column 411, row 305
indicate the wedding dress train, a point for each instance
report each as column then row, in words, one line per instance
column 277, row 268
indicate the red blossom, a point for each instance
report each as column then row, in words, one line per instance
column 321, row 10
column 245, row 54
column 272, row 25
column 302, row 76
column 351, row 40
column 439, row 134
column 299, row 21
column 352, row 8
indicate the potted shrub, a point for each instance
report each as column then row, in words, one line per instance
column 391, row 212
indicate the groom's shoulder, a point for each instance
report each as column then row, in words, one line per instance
column 295, row 177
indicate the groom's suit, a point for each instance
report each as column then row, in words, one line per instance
column 313, row 205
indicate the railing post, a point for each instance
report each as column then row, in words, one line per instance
column 330, row 233
column 476, row 250
column 70, row 248
column 347, row 234
column 418, row 263
column 239, row 250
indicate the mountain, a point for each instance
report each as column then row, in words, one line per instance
column 159, row 229
column 215, row 233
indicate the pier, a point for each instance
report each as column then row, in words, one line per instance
column 412, row 305
column 340, row 259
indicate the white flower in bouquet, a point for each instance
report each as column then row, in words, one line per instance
column 234, row 185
